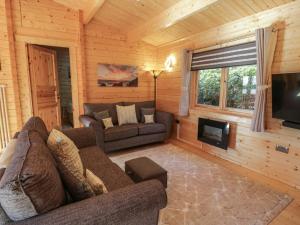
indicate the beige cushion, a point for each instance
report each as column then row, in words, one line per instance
column 31, row 184
column 96, row 183
column 7, row 153
column 126, row 114
column 107, row 122
column 70, row 166
column 149, row 118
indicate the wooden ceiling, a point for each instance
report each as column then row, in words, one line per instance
column 158, row 22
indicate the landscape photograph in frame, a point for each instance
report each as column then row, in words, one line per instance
column 111, row 75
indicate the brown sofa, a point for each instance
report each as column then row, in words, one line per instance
column 126, row 203
column 126, row 136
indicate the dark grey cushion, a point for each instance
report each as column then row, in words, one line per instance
column 90, row 108
column 139, row 106
column 147, row 111
column 101, row 115
column 151, row 128
column 121, row 132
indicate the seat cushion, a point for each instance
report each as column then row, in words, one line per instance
column 97, row 161
column 90, row 108
column 151, row 128
column 120, row 132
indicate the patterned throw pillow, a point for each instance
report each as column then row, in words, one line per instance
column 147, row 111
column 70, row 165
column 126, row 114
column 107, row 123
column 149, row 118
column 95, row 182
column 101, row 115
column 7, row 153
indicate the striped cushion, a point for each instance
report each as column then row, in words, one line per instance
column 70, row 166
column 126, row 114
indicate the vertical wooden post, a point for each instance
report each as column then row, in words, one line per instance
column 13, row 62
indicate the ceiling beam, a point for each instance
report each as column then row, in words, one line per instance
column 169, row 17
column 88, row 14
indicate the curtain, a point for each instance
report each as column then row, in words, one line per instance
column 186, row 80
column 266, row 39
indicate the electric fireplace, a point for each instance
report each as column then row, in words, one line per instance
column 213, row 132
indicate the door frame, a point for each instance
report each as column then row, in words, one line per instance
column 73, row 51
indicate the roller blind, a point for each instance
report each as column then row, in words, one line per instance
column 238, row 55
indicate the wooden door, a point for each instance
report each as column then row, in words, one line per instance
column 44, row 85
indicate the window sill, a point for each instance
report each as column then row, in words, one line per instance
column 227, row 111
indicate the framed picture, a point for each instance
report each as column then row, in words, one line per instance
column 110, row 75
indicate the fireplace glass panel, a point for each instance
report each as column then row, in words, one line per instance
column 212, row 133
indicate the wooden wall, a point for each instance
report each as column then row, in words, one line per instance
column 8, row 73
column 252, row 150
column 106, row 45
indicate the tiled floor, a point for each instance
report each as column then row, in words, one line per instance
column 203, row 192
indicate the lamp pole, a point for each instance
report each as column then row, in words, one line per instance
column 155, row 74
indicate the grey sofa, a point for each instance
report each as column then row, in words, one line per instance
column 126, row 203
column 125, row 136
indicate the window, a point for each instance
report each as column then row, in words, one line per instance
column 226, row 77
column 227, row 88
column 209, row 87
column 241, row 87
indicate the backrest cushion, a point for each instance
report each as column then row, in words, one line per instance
column 90, row 108
column 31, row 184
column 70, row 166
column 38, row 125
column 139, row 105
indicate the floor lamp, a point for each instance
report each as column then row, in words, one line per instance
column 155, row 74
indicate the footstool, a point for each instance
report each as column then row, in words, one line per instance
column 143, row 168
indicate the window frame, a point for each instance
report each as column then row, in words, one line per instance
column 222, row 108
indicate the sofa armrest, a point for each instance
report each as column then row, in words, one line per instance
column 86, row 120
column 82, row 137
column 167, row 119
column 133, row 205
column 99, row 133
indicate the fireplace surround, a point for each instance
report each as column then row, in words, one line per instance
column 213, row 132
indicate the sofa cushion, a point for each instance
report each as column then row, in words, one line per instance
column 147, row 111
column 101, row 115
column 70, row 166
column 38, row 125
column 90, row 108
column 121, row 132
column 31, row 184
column 4, row 219
column 96, row 160
column 139, row 105
column 151, row 128
column 126, row 114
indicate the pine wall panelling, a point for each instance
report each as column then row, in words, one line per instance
column 106, row 45
column 46, row 23
column 8, row 73
column 252, row 150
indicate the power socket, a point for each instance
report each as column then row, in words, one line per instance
column 281, row 148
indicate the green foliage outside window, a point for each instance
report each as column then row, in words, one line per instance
column 240, row 89
column 209, row 87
